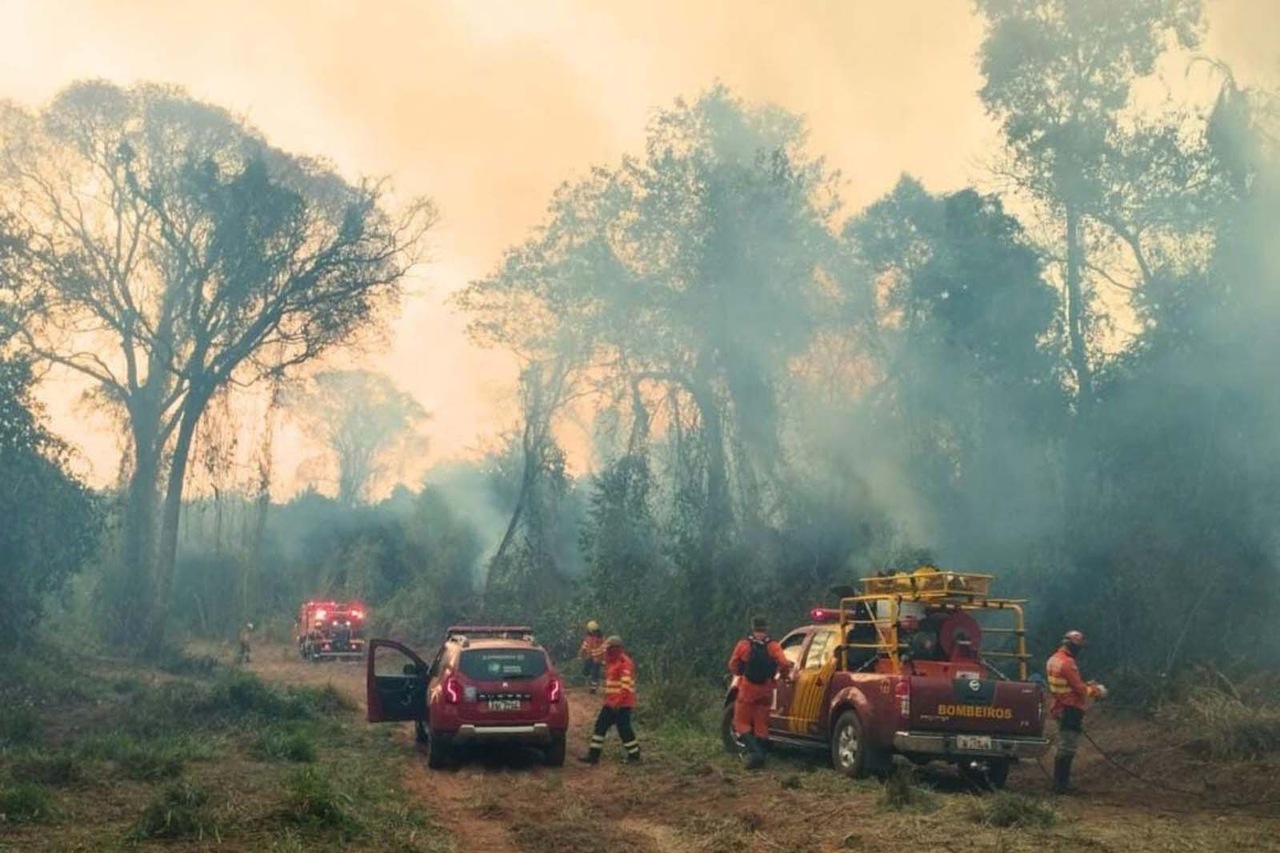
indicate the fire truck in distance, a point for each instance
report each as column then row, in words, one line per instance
column 924, row 664
column 331, row 630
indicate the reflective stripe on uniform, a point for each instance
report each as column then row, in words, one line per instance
column 632, row 745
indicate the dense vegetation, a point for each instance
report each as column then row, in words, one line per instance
column 1063, row 376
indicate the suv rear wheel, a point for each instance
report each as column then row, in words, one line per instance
column 440, row 752
column 553, row 755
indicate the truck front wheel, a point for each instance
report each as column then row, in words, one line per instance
column 732, row 742
column 848, row 751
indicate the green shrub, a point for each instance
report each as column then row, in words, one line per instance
column 179, row 811
column 19, row 724
column 24, row 802
column 313, row 800
column 1008, row 810
column 40, row 768
column 277, row 745
column 151, row 761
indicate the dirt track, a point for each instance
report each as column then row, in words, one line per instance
column 686, row 796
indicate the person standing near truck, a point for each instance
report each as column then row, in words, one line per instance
column 246, row 635
column 592, row 653
column 1071, row 696
column 619, row 700
column 756, row 659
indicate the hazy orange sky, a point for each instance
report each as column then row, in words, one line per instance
column 487, row 106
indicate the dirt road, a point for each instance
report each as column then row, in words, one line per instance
column 688, row 796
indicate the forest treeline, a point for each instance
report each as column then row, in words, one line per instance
column 1063, row 375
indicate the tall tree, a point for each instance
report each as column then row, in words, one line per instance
column 684, row 281
column 175, row 253
column 365, row 422
column 1058, row 75
column 972, row 395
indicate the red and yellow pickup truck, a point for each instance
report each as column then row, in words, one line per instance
column 925, row 664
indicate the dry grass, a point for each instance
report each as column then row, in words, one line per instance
column 1226, row 728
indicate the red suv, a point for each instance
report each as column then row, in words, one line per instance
column 486, row 684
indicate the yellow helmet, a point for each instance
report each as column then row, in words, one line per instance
column 593, row 625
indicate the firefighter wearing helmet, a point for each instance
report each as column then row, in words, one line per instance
column 592, row 653
column 619, row 700
column 756, row 659
column 1071, row 696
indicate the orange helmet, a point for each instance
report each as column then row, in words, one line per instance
column 1074, row 637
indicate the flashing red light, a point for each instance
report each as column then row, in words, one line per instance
column 554, row 690
column 824, row 614
column 452, row 690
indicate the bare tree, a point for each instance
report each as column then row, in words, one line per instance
column 366, row 424
column 175, row 253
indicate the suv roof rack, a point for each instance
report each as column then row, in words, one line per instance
column 490, row 630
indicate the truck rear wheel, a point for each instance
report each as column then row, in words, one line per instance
column 848, row 751
column 732, row 742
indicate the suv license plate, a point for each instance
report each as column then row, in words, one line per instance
column 973, row 742
column 509, row 705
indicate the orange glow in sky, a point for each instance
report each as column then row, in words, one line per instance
column 487, row 105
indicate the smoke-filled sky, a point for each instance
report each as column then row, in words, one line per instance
column 487, row 105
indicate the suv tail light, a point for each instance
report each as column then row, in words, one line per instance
column 452, row 690
column 554, row 690
column 902, row 697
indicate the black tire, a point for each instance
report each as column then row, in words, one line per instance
column 440, row 753
column 553, row 755
column 848, row 750
column 732, row 743
column 998, row 773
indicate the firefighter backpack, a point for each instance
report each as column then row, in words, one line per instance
column 760, row 666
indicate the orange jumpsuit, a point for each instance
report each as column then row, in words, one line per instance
column 1066, row 686
column 751, row 707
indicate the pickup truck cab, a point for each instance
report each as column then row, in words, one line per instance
column 903, row 668
column 485, row 684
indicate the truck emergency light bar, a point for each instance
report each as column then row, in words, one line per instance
column 474, row 630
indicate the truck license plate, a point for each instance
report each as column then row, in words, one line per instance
column 973, row 742
column 509, row 705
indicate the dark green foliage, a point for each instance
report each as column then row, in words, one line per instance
column 313, row 800
column 276, row 744
column 179, row 811
column 51, row 521
column 57, row 769
column 24, row 802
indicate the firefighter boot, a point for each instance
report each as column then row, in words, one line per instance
column 592, row 756
column 753, row 758
column 1062, row 774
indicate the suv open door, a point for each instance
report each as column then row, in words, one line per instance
column 395, row 697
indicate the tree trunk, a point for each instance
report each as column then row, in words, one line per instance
column 1076, row 314
column 128, row 600
column 166, row 560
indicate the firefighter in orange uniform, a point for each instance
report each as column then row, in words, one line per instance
column 592, row 653
column 619, row 699
column 1071, row 696
column 755, row 660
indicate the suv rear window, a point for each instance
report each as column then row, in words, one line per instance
column 490, row 664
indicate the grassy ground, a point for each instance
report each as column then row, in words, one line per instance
column 100, row 755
